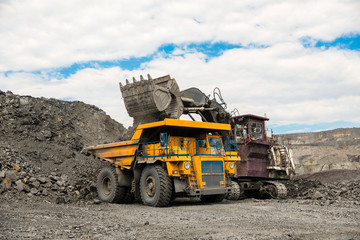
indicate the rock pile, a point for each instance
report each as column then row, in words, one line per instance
column 326, row 192
column 40, row 144
column 19, row 179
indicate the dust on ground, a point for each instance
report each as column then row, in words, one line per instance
column 183, row 219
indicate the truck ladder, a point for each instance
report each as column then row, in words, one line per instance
column 192, row 177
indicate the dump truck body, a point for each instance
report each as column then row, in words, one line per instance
column 191, row 154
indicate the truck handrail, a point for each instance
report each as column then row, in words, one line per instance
column 168, row 151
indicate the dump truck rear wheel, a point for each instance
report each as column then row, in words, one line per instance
column 108, row 188
column 155, row 186
column 212, row 198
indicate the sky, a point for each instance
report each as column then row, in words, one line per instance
column 297, row 61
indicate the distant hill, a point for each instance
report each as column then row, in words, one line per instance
column 326, row 150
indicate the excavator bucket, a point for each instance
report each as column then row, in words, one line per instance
column 152, row 99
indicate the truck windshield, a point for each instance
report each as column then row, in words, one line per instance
column 215, row 142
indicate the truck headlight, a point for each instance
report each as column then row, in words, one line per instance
column 231, row 165
column 187, row 165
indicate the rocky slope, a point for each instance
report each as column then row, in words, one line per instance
column 40, row 144
column 327, row 150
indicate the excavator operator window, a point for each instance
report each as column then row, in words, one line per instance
column 241, row 132
column 256, row 130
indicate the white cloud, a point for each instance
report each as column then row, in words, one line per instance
column 45, row 34
column 290, row 83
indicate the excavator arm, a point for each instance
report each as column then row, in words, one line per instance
column 150, row 100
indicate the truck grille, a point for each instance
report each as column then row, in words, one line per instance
column 213, row 173
column 212, row 167
column 213, row 180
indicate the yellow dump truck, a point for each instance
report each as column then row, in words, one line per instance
column 167, row 159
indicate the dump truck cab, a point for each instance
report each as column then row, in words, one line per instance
column 168, row 159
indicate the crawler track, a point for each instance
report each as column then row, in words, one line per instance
column 280, row 189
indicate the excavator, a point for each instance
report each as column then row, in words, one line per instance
column 264, row 164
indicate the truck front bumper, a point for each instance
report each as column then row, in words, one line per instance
column 209, row 191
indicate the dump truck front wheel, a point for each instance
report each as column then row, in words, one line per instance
column 108, row 188
column 155, row 186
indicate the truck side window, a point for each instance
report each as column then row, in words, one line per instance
column 163, row 139
column 201, row 143
column 181, row 143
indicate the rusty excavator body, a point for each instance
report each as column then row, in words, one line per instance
column 264, row 163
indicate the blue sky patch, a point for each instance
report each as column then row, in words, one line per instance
column 301, row 128
column 349, row 41
column 209, row 49
column 213, row 49
column 67, row 99
column 129, row 64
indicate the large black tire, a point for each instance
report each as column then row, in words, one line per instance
column 155, row 186
column 108, row 188
column 235, row 193
column 212, row 198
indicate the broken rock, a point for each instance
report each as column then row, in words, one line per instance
column 7, row 183
column 12, row 175
column 19, row 185
column 43, row 180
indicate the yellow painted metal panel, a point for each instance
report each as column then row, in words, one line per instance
column 187, row 124
column 112, row 145
column 137, row 134
column 231, row 156
column 124, row 161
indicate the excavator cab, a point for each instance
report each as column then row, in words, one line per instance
column 248, row 128
column 261, row 156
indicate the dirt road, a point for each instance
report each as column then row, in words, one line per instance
column 184, row 219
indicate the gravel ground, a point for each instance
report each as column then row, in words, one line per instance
column 184, row 219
